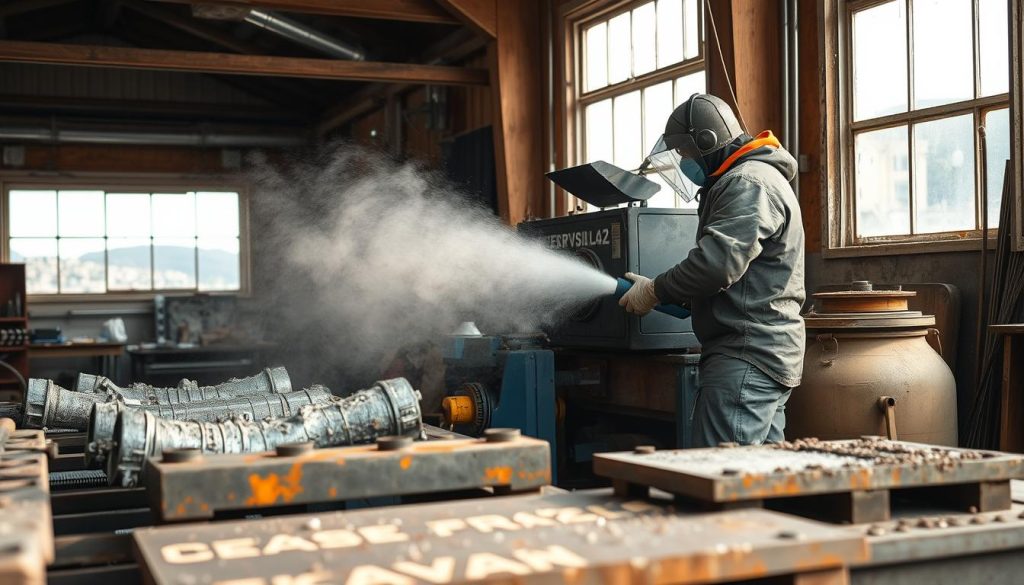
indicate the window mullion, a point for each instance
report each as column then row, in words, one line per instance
column 911, row 151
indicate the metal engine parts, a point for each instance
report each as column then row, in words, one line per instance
column 48, row 405
column 389, row 407
column 258, row 407
column 269, row 381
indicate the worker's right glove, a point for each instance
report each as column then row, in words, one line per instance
column 640, row 299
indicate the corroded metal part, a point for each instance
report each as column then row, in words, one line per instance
column 270, row 381
column 222, row 483
column 535, row 539
column 390, row 407
column 104, row 415
column 49, row 405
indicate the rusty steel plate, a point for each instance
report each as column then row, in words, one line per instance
column 529, row 539
column 199, row 488
column 26, row 529
column 926, row 537
column 806, row 467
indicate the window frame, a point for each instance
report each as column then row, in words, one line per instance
column 145, row 183
column 839, row 210
column 574, row 18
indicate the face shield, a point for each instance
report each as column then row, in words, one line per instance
column 681, row 167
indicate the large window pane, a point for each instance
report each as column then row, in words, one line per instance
column 598, row 120
column 596, row 58
column 692, row 33
column 997, row 152
column 629, row 150
column 218, row 264
column 944, row 174
column 129, row 265
column 670, row 32
column 883, row 190
column 40, row 258
column 943, row 52
column 80, row 213
column 688, row 85
column 658, row 106
column 879, row 61
column 128, row 214
column 993, row 31
column 216, row 214
column 644, row 39
column 174, row 263
column 619, row 52
column 33, row 213
column 82, row 265
column 174, row 214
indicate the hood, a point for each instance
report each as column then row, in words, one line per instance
column 764, row 148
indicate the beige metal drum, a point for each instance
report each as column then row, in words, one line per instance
column 871, row 369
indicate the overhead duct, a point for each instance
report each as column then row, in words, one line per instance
column 303, row 35
column 280, row 25
column 54, row 131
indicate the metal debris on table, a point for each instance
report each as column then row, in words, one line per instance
column 530, row 539
column 198, row 488
column 811, row 467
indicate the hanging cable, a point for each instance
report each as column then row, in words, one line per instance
column 721, row 57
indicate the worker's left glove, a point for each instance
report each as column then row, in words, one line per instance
column 640, row 299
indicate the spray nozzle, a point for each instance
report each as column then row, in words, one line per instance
column 677, row 311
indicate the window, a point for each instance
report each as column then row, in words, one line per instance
column 921, row 77
column 637, row 63
column 88, row 240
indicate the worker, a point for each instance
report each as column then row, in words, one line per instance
column 744, row 281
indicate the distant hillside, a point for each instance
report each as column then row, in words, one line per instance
column 216, row 263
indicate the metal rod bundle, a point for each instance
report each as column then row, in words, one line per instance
column 264, row 406
column 269, row 381
column 389, row 407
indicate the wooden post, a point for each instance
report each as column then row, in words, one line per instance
column 515, row 57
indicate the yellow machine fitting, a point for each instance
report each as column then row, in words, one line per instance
column 458, row 410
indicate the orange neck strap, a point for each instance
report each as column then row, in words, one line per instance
column 765, row 138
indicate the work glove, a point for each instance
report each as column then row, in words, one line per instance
column 640, row 299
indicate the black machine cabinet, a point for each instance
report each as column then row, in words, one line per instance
column 643, row 240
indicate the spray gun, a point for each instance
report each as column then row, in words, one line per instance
column 623, row 285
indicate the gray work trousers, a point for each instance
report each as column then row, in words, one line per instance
column 737, row 402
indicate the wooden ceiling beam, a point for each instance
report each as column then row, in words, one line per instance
column 406, row 10
column 478, row 14
column 192, row 26
column 226, row 63
column 454, row 47
column 276, row 90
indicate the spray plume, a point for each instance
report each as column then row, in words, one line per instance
column 365, row 255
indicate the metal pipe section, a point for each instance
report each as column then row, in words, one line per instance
column 270, row 381
column 103, row 418
column 390, row 407
column 303, row 35
column 793, row 105
column 49, row 405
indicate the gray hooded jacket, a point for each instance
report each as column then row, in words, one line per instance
column 745, row 279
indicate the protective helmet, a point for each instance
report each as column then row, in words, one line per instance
column 701, row 126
